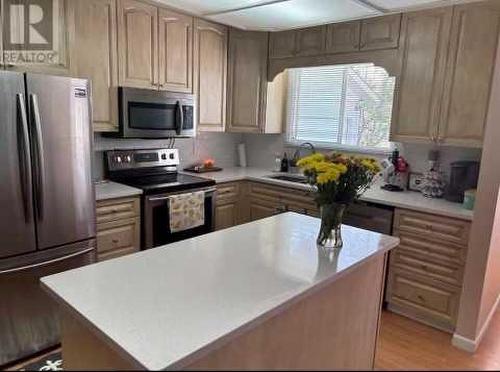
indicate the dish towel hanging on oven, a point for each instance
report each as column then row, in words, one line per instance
column 187, row 211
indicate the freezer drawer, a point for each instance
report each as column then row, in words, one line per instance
column 28, row 316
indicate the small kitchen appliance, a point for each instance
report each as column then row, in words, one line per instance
column 464, row 176
column 155, row 172
column 395, row 172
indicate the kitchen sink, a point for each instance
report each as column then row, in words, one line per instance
column 289, row 178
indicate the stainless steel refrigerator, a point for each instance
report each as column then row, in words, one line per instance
column 47, row 207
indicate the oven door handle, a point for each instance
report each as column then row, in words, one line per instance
column 159, row 198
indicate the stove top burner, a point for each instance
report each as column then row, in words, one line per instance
column 162, row 183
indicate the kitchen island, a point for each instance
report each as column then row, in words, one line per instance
column 255, row 296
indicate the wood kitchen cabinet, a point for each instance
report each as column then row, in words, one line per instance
column 138, row 44
column 310, row 41
column 469, row 72
column 380, row 32
column 247, row 81
column 93, row 54
column 118, row 227
column 448, row 57
column 343, row 37
column 210, row 62
column 175, row 49
column 282, row 44
column 426, row 270
column 228, row 205
column 424, row 41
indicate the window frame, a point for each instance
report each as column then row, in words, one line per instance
column 327, row 145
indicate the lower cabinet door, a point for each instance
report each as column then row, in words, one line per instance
column 118, row 238
column 226, row 216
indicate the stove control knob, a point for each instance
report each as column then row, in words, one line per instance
column 128, row 159
column 118, row 159
column 172, row 156
column 163, row 156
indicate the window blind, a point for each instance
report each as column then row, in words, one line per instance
column 340, row 106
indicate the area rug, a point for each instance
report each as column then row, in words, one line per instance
column 49, row 362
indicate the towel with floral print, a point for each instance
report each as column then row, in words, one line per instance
column 187, row 211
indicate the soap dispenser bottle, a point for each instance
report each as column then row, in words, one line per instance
column 285, row 164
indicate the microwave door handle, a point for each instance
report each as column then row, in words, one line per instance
column 180, row 118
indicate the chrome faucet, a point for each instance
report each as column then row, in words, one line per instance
column 304, row 145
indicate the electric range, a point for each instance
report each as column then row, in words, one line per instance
column 155, row 173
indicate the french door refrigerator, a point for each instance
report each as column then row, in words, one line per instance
column 47, row 209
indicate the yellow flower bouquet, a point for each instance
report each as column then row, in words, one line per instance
column 339, row 180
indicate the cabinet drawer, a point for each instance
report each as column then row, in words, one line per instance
column 117, row 238
column 282, row 193
column 423, row 299
column 116, row 209
column 432, row 227
column 227, row 193
column 451, row 274
column 433, row 251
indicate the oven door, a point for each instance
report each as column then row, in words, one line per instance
column 156, row 225
column 154, row 114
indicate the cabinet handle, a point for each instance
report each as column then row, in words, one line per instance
column 114, row 241
column 421, row 298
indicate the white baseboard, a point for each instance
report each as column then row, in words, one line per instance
column 469, row 345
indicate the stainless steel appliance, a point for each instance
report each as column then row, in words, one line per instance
column 155, row 172
column 464, row 175
column 47, row 222
column 155, row 114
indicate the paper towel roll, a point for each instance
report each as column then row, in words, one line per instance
column 242, row 155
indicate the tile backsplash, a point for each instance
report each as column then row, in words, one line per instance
column 219, row 146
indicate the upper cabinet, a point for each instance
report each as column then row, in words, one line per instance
column 155, row 47
column 254, row 104
column 424, row 42
column 138, row 44
column 93, row 54
column 282, row 44
column 370, row 34
column 469, row 72
column 247, row 85
column 448, row 57
column 175, row 51
column 343, row 37
column 210, row 63
column 310, row 41
column 380, row 32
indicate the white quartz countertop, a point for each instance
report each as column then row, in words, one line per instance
column 165, row 306
column 407, row 199
column 106, row 190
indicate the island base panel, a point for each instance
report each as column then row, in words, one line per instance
column 333, row 328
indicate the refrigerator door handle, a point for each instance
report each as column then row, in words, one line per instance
column 47, row 263
column 24, row 156
column 40, row 162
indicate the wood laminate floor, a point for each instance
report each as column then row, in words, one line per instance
column 408, row 345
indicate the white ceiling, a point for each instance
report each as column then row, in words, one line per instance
column 274, row 15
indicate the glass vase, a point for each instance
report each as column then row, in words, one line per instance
column 330, row 233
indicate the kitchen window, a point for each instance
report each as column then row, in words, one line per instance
column 345, row 107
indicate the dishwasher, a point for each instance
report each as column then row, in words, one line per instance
column 370, row 216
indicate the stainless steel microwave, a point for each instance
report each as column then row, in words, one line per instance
column 155, row 114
